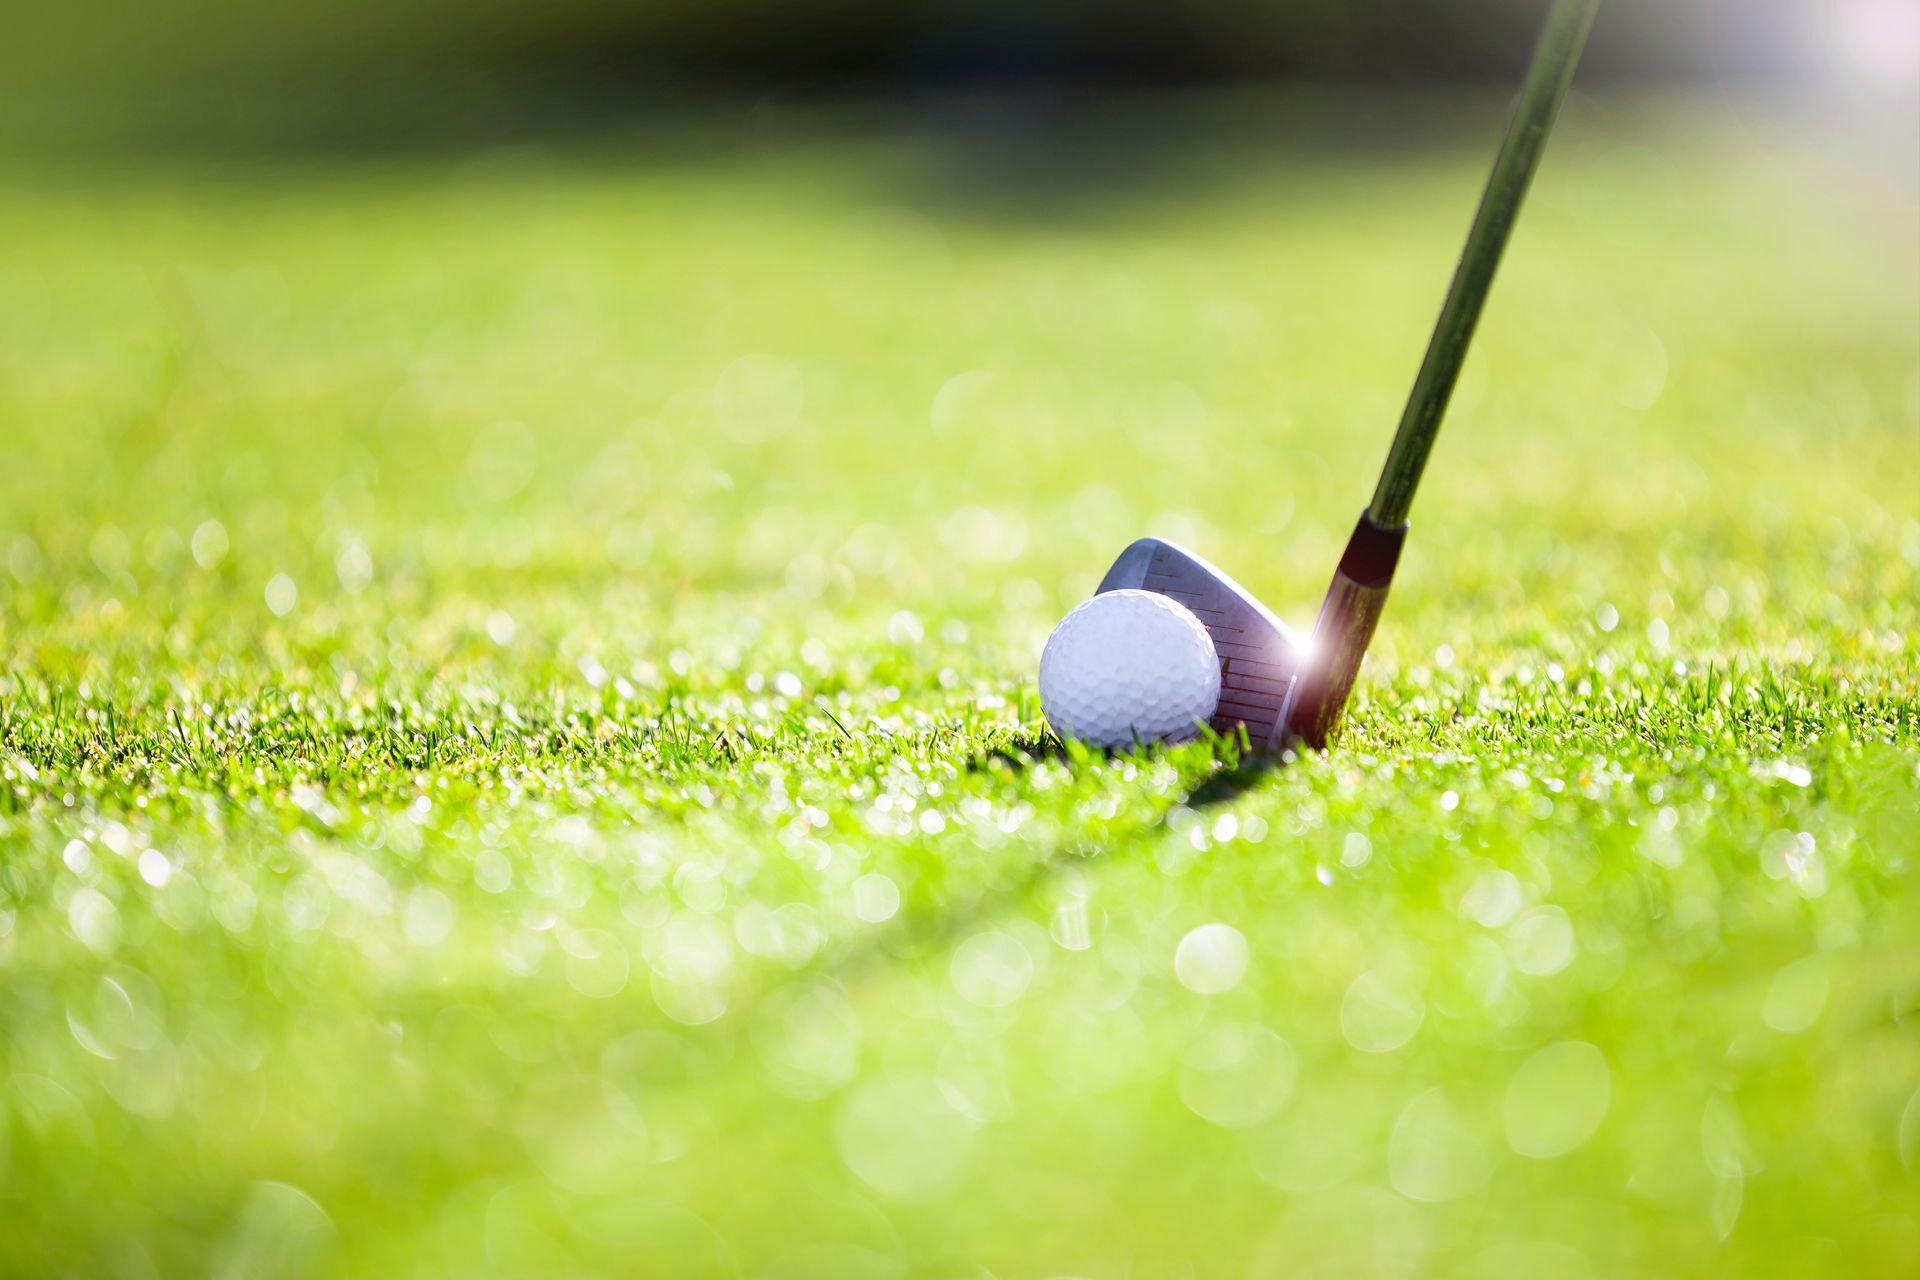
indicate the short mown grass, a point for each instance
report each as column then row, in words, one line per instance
column 519, row 753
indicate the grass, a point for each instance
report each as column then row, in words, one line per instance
column 519, row 754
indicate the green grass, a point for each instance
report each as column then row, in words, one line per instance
column 519, row 753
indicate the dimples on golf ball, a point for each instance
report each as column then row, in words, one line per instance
column 1127, row 665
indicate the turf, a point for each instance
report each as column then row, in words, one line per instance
column 519, row 753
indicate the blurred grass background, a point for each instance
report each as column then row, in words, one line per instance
column 523, row 548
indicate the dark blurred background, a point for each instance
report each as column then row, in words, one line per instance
column 388, row 73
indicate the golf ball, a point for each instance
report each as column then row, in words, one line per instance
column 1129, row 665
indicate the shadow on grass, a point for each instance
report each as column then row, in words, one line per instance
column 1238, row 768
column 1236, row 771
column 1023, row 753
column 914, row 935
column 1233, row 781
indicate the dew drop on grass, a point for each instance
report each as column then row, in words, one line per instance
column 972, row 1075
column 597, row 965
column 875, row 898
column 900, row 1136
column 99, row 1027
column 94, row 920
column 693, row 961
column 353, row 564
column 280, row 1230
column 1723, row 1140
column 962, row 399
column 234, row 905
column 1435, row 1153
column 690, row 1002
column 146, row 1082
column 991, row 970
column 1729, row 1194
column 786, row 934
column 428, row 917
column 1379, row 1014
column 1236, row 1074
column 1211, row 959
column 1070, row 928
column 808, row 1038
column 209, row 544
column 1796, row 996
column 1541, row 941
column 281, row 595
column 154, row 868
column 1493, row 899
column 492, row 872
column 652, row 1078
column 700, row 887
column 1907, row 1140
column 1346, row 1231
column 1557, row 1098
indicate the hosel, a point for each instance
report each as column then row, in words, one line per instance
column 1341, row 635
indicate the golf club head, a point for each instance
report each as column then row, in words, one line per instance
column 1259, row 655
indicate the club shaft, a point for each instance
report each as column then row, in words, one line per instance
column 1352, row 608
column 1533, row 113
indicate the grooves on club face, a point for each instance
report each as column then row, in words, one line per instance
column 1259, row 654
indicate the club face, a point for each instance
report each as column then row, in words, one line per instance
column 1259, row 654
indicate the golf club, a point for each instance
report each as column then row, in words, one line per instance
column 1268, row 683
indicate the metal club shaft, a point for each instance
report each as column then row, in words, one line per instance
column 1359, row 590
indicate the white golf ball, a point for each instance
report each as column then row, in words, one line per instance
column 1127, row 666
